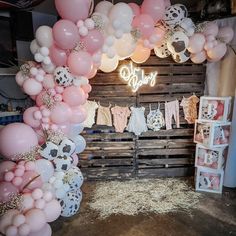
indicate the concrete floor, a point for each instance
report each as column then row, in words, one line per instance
column 215, row 216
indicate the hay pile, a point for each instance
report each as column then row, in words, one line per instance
column 143, row 196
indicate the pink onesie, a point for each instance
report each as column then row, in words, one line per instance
column 120, row 117
column 171, row 109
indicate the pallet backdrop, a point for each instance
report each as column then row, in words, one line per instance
column 165, row 153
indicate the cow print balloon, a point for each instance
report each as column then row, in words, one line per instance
column 49, row 151
column 174, row 15
column 70, row 203
column 183, row 8
column 178, row 42
column 63, row 163
column 63, row 77
column 66, row 147
column 181, row 57
column 162, row 51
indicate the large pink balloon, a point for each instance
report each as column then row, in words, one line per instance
column 7, row 189
column 211, row 28
column 79, row 115
column 153, row 8
column 35, row 218
column 196, row 43
column 65, row 128
column 29, row 119
column 145, row 24
column 74, row 96
column 52, row 210
column 226, row 34
column 93, row 41
column 60, row 113
column 198, row 57
column 135, row 8
column 73, row 10
column 32, row 87
column 17, row 138
column 5, row 166
column 217, row 52
column 45, row 231
column 58, row 56
column 65, row 34
column 80, row 63
column 31, row 180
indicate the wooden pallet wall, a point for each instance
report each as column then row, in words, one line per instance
column 111, row 155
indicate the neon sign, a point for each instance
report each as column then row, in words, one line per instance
column 135, row 77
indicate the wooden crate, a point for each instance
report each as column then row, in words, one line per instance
column 111, row 155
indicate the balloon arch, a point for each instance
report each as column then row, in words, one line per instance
column 40, row 179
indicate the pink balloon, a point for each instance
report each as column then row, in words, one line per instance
column 35, row 218
column 74, row 96
column 32, row 87
column 65, row 34
column 196, row 43
column 20, row 79
column 79, row 115
column 6, row 219
column 65, row 128
column 80, row 63
column 31, row 181
column 145, row 24
column 87, row 88
column 225, row 34
column 29, row 119
column 141, row 54
column 198, row 57
column 58, row 56
column 167, row 3
column 211, row 29
column 40, row 136
column 39, row 98
column 7, row 189
column 75, row 159
column 52, row 210
column 92, row 73
column 135, row 8
column 45, row 231
column 48, row 82
column 153, row 8
column 17, row 138
column 160, row 33
column 28, row 202
column 217, row 52
column 60, row 113
column 6, row 166
column 72, row 10
column 93, row 41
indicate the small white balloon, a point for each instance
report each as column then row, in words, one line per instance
column 119, row 34
column 44, row 51
column 38, row 57
column 116, row 24
column 111, row 53
column 105, row 48
column 49, row 68
column 33, row 71
column 109, row 41
column 83, row 31
column 47, row 60
column 80, row 23
column 39, row 77
column 44, row 36
column 34, row 46
column 89, row 23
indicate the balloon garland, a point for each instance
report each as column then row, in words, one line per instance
column 39, row 180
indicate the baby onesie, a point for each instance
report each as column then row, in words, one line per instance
column 120, row 117
column 190, row 108
column 137, row 123
column 155, row 119
column 104, row 115
column 171, row 109
column 90, row 107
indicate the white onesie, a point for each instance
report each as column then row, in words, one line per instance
column 137, row 123
column 91, row 108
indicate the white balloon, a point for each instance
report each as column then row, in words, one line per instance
column 44, row 51
column 119, row 33
column 38, row 57
column 34, row 46
column 162, row 50
column 103, row 7
column 75, row 129
column 45, row 169
column 49, row 68
column 80, row 143
column 44, row 36
column 109, row 64
column 109, row 41
column 111, row 52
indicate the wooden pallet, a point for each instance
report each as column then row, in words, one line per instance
column 111, row 155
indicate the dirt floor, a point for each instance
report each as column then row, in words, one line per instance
column 215, row 215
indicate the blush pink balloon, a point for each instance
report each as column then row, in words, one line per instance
column 65, row 128
column 27, row 202
column 7, row 189
column 18, row 135
column 145, row 24
column 211, row 29
column 35, row 218
column 60, row 113
column 45, row 231
column 153, row 8
column 29, row 119
column 6, row 219
column 217, row 52
column 79, row 115
column 48, row 82
column 72, row 10
column 80, row 63
column 32, row 87
column 65, row 34
column 40, row 136
column 198, row 57
column 93, row 41
column 87, row 88
column 75, row 159
column 135, row 8
column 141, row 54
column 6, row 166
column 58, row 56
column 31, row 181
column 167, row 3
column 226, row 34
column 74, row 96
column 52, row 210
column 92, row 73
column 196, row 43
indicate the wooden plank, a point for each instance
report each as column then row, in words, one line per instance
column 153, row 151
column 106, row 162
column 170, row 133
column 106, row 153
column 119, row 101
column 165, row 172
column 165, row 161
column 108, row 136
column 110, row 145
